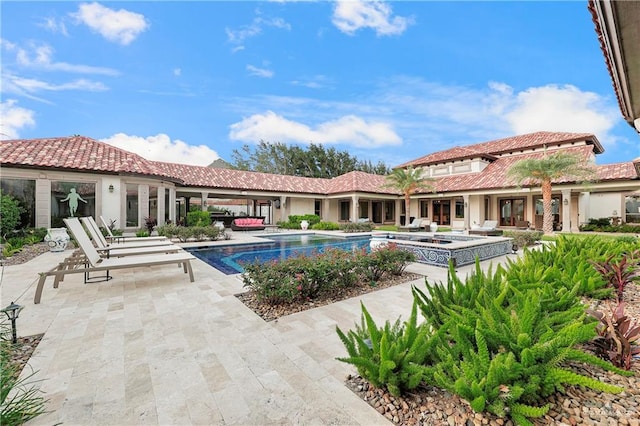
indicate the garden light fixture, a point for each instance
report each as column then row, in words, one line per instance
column 12, row 312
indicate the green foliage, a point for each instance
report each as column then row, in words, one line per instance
column 618, row 336
column 394, row 356
column 307, row 277
column 20, row 400
column 197, row 233
column 524, row 238
column 9, row 249
column 325, row 226
column 604, row 224
column 10, row 211
column 142, row 233
column 198, row 218
column 314, row 161
column 295, row 220
column 357, row 227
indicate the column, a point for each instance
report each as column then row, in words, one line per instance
column 566, row 210
column 467, row 211
column 203, row 200
column 161, row 206
column 355, row 207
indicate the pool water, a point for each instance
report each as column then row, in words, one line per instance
column 228, row 259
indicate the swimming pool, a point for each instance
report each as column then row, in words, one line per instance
column 228, row 259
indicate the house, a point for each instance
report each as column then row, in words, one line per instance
column 471, row 186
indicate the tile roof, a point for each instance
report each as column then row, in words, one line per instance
column 491, row 149
column 74, row 152
column 85, row 154
column 201, row 176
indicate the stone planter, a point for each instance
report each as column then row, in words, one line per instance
column 304, row 225
column 57, row 238
column 433, row 227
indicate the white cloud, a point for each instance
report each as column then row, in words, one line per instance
column 119, row 26
column 560, row 108
column 177, row 72
column 259, row 72
column 315, row 82
column 55, row 26
column 41, row 57
column 33, row 86
column 14, row 118
column 161, row 148
column 349, row 129
column 351, row 15
column 238, row 36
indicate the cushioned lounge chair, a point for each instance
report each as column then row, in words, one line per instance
column 414, row 226
column 488, row 228
column 93, row 262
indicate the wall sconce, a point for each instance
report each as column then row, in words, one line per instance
column 276, row 203
column 12, row 311
column 565, row 202
column 111, row 188
column 465, row 204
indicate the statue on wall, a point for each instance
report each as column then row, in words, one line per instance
column 73, row 197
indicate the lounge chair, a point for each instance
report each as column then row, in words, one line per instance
column 414, row 226
column 102, row 242
column 120, row 250
column 488, row 228
column 93, row 262
column 122, row 238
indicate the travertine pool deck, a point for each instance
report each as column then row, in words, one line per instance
column 149, row 347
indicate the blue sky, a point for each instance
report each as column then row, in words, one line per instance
column 189, row 82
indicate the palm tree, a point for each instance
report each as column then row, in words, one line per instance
column 408, row 181
column 544, row 170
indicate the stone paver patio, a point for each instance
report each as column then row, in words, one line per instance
column 149, row 347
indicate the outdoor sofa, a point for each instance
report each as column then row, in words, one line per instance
column 248, row 224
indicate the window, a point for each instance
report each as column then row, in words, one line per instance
column 364, row 210
column 132, row 206
column 167, row 216
column 24, row 191
column 317, row 208
column 424, row 208
column 389, row 211
column 71, row 199
column 632, row 208
column 459, row 209
column 153, row 202
column 344, row 210
column 511, row 211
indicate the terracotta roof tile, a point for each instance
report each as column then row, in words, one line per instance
column 511, row 144
column 74, row 152
column 359, row 182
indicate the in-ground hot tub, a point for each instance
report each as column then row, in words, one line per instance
column 437, row 248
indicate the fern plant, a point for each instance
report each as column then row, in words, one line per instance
column 395, row 356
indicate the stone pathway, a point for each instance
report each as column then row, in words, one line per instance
column 149, row 347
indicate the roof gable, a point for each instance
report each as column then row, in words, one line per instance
column 492, row 149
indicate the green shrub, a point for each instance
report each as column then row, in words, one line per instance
column 20, row 400
column 393, row 356
column 10, row 211
column 142, row 233
column 325, row 226
column 293, row 221
column 307, row 277
column 357, row 227
column 524, row 238
column 198, row 218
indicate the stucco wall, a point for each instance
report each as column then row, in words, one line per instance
column 604, row 205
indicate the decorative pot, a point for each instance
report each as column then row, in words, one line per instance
column 304, row 225
column 433, row 227
column 57, row 238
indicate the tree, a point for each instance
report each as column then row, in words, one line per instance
column 543, row 171
column 314, row 161
column 408, row 181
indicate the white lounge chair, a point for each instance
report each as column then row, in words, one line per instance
column 415, row 225
column 101, row 241
column 488, row 228
column 122, row 238
column 93, row 262
column 120, row 250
